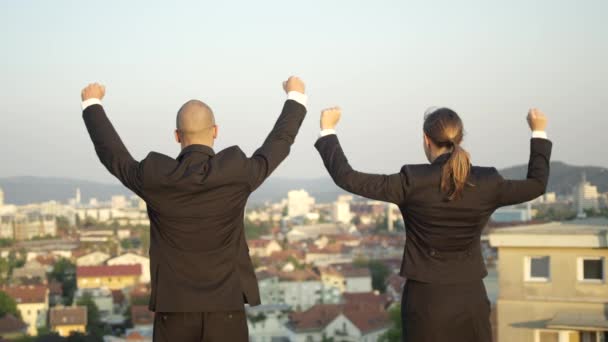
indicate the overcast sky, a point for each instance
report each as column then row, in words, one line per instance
column 383, row 62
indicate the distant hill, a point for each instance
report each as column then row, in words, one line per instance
column 564, row 177
column 27, row 189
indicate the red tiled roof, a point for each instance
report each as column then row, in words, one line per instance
column 347, row 270
column 108, row 270
column 27, row 293
column 315, row 318
column 364, row 317
column 10, row 324
column 258, row 243
column 368, row 320
column 368, row 299
column 68, row 315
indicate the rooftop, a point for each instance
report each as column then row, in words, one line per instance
column 573, row 234
column 27, row 293
column 108, row 270
column 68, row 315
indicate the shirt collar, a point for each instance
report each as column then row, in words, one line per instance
column 196, row 148
column 442, row 158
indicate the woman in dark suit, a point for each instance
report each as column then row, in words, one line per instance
column 445, row 205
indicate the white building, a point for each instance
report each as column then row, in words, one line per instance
column 299, row 203
column 313, row 231
column 119, row 202
column 267, row 322
column 1, row 198
column 92, row 259
column 134, row 259
column 341, row 209
column 338, row 323
column 32, row 303
column 586, row 196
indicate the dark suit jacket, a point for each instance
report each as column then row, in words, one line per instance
column 443, row 237
column 199, row 259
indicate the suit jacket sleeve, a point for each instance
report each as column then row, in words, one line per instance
column 388, row 188
column 277, row 145
column 110, row 149
column 518, row 191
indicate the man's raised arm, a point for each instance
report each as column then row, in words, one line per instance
column 277, row 145
column 109, row 147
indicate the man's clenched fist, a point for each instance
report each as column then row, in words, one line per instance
column 330, row 117
column 294, row 83
column 537, row 120
column 93, row 91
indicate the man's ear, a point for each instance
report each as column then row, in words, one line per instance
column 215, row 131
column 177, row 137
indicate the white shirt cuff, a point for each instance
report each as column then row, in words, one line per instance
column 298, row 97
column 325, row 132
column 539, row 134
column 90, row 102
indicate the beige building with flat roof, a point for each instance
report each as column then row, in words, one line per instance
column 552, row 282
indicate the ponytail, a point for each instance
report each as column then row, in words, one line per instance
column 455, row 173
column 444, row 127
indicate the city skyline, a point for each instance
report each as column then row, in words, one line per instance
column 384, row 64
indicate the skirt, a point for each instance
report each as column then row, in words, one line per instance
column 445, row 312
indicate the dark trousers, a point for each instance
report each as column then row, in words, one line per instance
column 445, row 312
column 201, row 327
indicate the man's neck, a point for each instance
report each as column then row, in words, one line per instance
column 210, row 145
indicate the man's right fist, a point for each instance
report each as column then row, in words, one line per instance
column 294, row 83
column 537, row 120
column 93, row 91
column 330, row 117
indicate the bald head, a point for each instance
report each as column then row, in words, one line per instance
column 195, row 123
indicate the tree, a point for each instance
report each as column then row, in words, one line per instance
column 379, row 273
column 64, row 271
column 378, row 270
column 396, row 330
column 94, row 324
column 8, row 305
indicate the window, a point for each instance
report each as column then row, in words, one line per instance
column 537, row 269
column 591, row 269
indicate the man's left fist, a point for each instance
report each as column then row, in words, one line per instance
column 93, row 91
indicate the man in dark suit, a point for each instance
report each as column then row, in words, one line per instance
column 201, row 272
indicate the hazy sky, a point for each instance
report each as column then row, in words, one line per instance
column 384, row 62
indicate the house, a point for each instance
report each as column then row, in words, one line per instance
column 267, row 322
column 347, row 278
column 65, row 320
column 12, row 327
column 263, row 248
column 113, row 277
column 299, row 289
column 552, row 282
column 32, row 303
column 133, row 259
column 330, row 254
column 32, row 272
column 340, row 322
column 92, row 259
